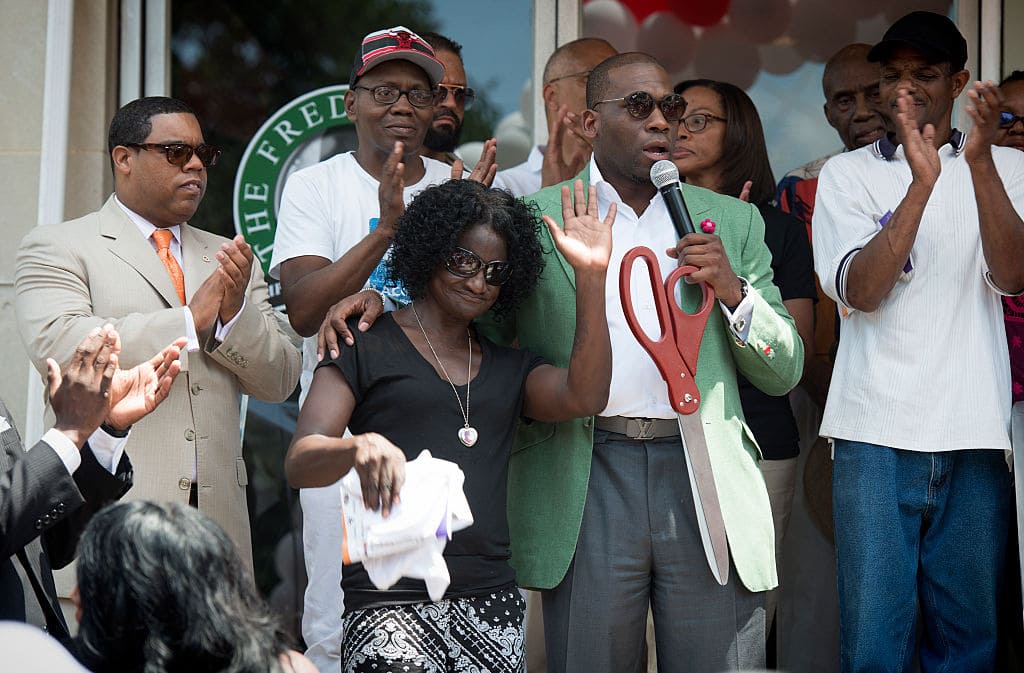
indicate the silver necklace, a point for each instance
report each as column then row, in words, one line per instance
column 467, row 433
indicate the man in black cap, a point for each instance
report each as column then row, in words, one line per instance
column 917, row 237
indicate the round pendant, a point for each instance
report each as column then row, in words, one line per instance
column 468, row 435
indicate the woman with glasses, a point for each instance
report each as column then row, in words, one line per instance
column 721, row 147
column 423, row 378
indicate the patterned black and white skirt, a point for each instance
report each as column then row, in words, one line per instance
column 476, row 634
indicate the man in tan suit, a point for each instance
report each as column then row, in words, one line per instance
column 137, row 264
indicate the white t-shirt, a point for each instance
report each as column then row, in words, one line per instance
column 927, row 370
column 326, row 209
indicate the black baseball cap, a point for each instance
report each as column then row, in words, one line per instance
column 934, row 35
column 398, row 43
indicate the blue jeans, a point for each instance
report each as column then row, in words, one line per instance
column 919, row 529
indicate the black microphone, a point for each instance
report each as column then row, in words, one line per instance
column 665, row 177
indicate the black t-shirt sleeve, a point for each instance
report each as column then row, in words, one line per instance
column 792, row 260
column 348, row 360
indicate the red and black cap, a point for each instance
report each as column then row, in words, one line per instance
column 934, row 35
column 398, row 43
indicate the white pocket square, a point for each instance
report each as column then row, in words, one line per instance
column 4, row 425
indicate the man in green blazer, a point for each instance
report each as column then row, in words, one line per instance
column 600, row 510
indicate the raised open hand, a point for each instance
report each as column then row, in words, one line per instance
column 585, row 240
column 563, row 157
column 918, row 144
column 486, row 168
column 137, row 391
column 986, row 103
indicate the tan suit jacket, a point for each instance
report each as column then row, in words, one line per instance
column 78, row 275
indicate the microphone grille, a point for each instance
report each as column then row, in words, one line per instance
column 663, row 173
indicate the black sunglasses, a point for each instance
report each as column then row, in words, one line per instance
column 179, row 154
column 462, row 95
column 385, row 94
column 466, row 264
column 1008, row 119
column 640, row 104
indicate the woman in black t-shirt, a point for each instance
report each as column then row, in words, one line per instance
column 422, row 377
column 721, row 147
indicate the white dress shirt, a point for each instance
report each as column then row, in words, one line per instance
column 637, row 389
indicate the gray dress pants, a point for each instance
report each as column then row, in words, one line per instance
column 639, row 545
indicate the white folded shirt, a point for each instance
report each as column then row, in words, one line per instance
column 410, row 542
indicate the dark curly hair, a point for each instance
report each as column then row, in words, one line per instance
column 430, row 229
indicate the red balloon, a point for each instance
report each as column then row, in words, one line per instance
column 704, row 13
column 641, row 9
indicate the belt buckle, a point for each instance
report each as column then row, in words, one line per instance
column 646, row 428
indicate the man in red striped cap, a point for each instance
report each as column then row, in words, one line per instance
column 334, row 230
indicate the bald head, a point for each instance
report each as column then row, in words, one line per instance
column 577, row 56
column 852, row 105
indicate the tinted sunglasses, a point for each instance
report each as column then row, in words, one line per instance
column 466, row 264
column 1008, row 119
column 179, row 154
column 385, row 94
column 462, row 95
column 640, row 105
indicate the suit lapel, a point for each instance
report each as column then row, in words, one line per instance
column 566, row 266
column 125, row 241
column 199, row 260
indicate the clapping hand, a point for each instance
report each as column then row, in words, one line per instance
column 986, row 102
column 136, row 392
column 585, row 240
column 918, row 144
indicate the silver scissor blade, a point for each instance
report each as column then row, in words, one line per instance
column 1017, row 443
column 705, row 496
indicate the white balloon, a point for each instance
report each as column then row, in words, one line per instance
column 669, row 40
column 609, row 19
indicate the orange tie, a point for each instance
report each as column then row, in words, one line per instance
column 163, row 249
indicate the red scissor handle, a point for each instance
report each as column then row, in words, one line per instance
column 676, row 350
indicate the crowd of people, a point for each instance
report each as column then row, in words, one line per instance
column 483, row 314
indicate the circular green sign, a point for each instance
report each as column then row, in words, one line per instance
column 305, row 131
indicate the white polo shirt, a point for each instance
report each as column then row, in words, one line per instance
column 928, row 370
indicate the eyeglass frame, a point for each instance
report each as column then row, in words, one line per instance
column 164, row 148
column 401, row 92
column 582, row 73
column 655, row 103
column 713, row 117
column 469, row 95
column 481, row 265
column 1007, row 120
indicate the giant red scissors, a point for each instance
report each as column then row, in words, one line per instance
column 675, row 353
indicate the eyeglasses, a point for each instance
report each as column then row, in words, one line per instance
column 179, row 154
column 462, row 95
column 466, row 264
column 585, row 74
column 696, row 123
column 640, row 104
column 385, row 94
column 1007, row 120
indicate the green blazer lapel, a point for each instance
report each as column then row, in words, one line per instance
column 555, row 194
column 695, row 205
